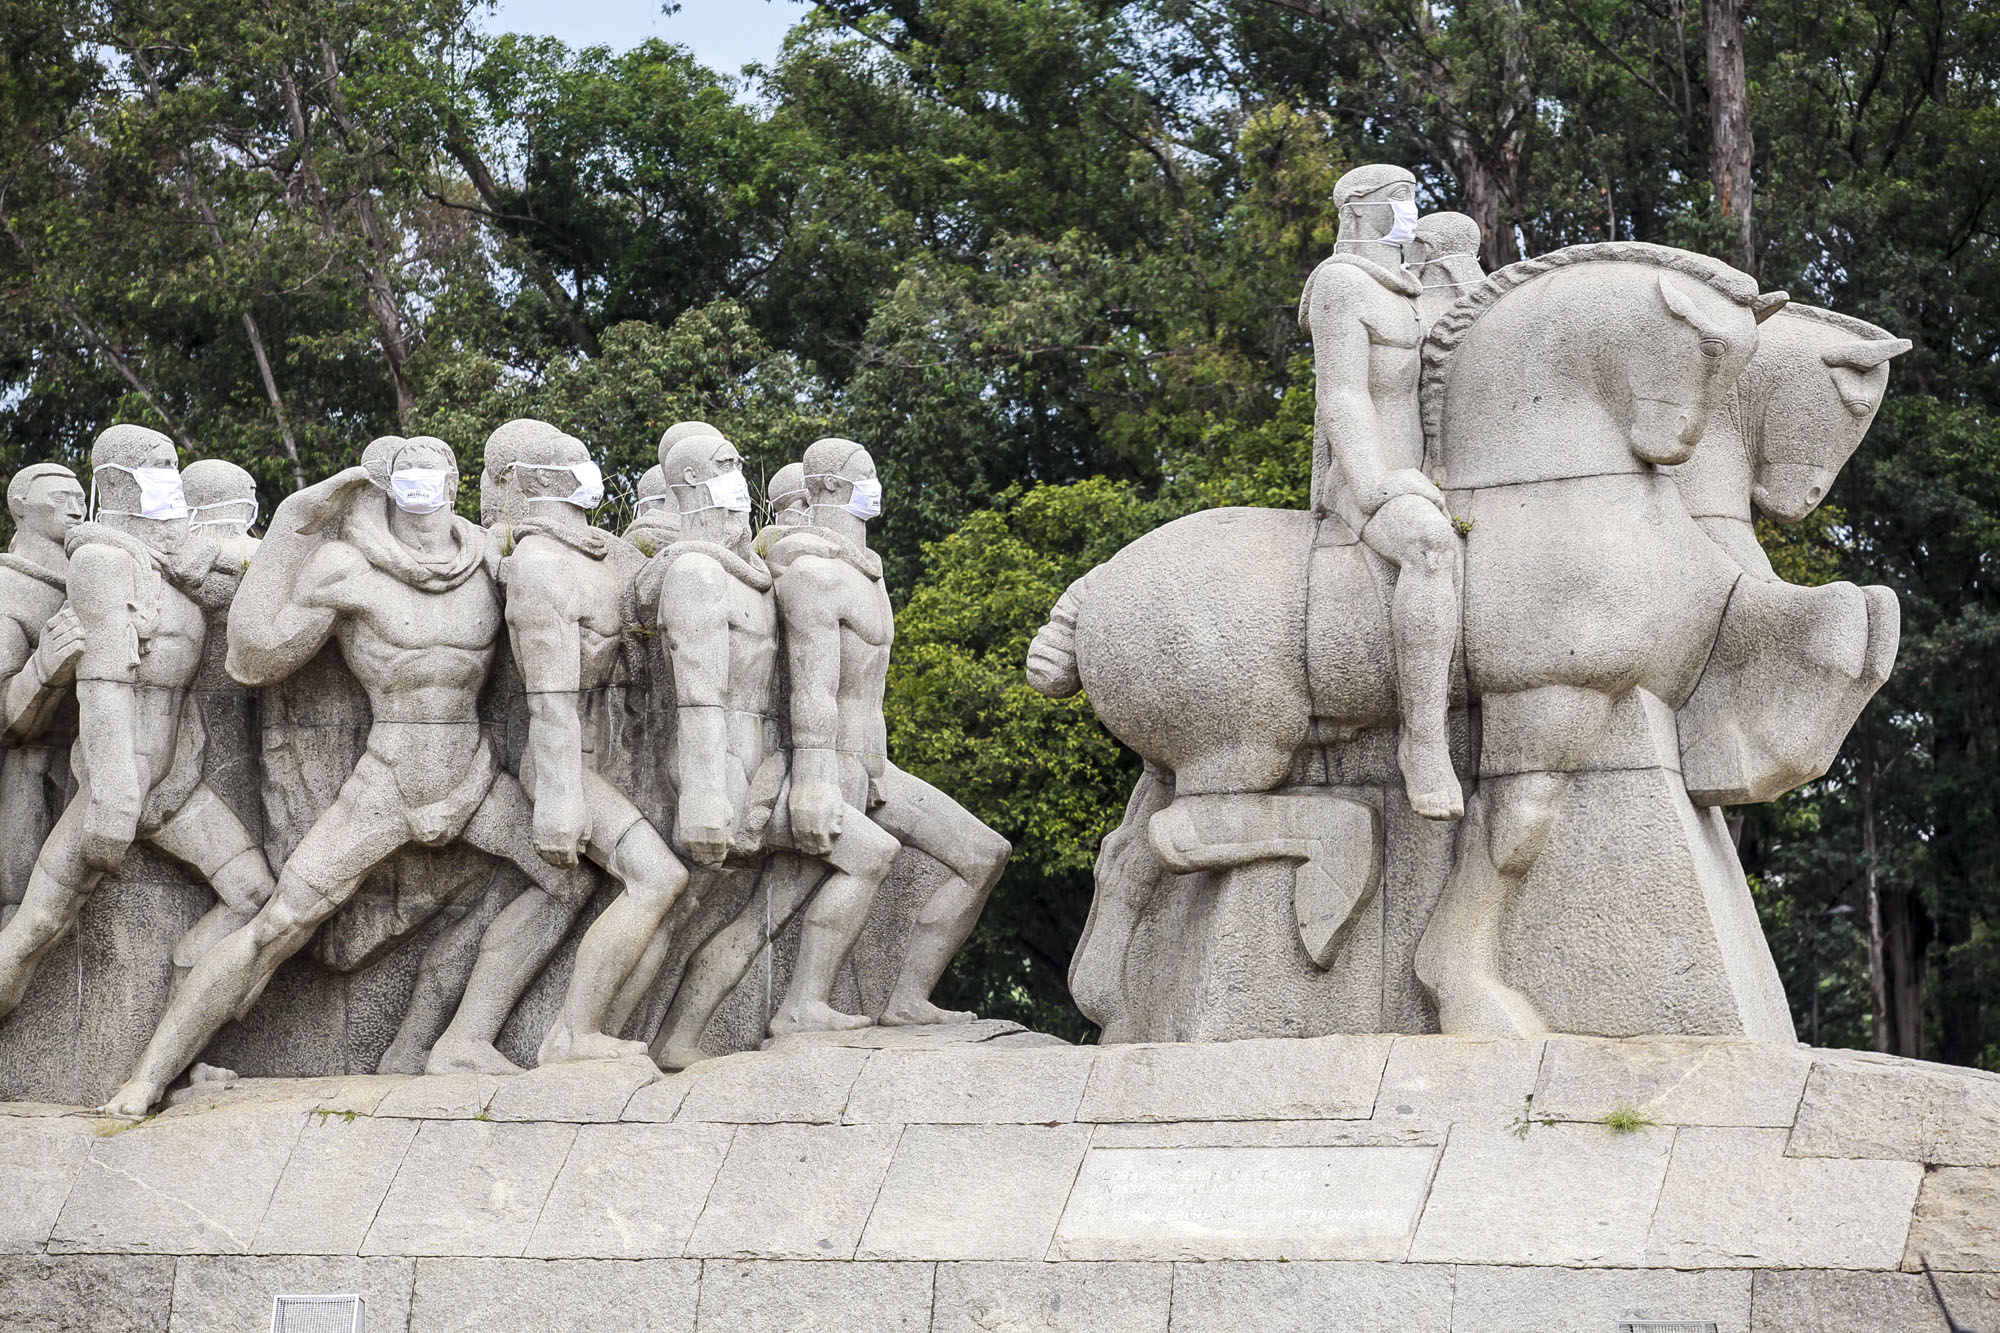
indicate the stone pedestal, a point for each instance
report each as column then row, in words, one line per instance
column 1365, row 1183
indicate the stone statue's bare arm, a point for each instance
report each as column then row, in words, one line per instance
column 37, row 675
column 102, row 586
column 808, row 602
column 1348, row 424
column 694, row 614
column 543, row 620
column 275, row 623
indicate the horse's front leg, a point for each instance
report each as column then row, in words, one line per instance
column 1543, row 734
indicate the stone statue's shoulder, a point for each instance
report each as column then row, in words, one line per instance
column 100, row 547
column 1342, row 278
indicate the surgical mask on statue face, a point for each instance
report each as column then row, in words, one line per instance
column 728, row 490
column 420, row 490
column 255, row 510
column 1403, row 227
column 645, row 502
column 865, row 500
column 589, row 490
column 160, row 494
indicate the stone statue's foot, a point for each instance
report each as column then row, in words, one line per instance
column 1429, row 780
column 563, row 1047
column 451, row 1056
column 681, row 1057
column 814, row 1016
column 132, row 1101
column 922, row 1012
column 1483, row 1007
column 402, row 1059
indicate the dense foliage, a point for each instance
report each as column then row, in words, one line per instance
column 1041, row 256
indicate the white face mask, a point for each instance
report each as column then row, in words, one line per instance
column 788, row 510
column 728, row 490
column 1403, row 229
column 639, row 505
column 589, row 491
column 160, row 493
column 255, row 510
column 420, row 490
column 865, row 501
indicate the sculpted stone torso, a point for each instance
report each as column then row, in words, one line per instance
column 1384, row 302
column 824, row 577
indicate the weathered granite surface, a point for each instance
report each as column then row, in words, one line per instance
column 1417, row 1184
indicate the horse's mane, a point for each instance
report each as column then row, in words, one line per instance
column 1833, row 319
column 1448, row 334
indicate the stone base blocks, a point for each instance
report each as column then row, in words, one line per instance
column 1358, row 1183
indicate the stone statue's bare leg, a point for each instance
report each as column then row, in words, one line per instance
column 57, row 889
column 365, row 823
column 521, row 939
column 720, row 964
column 861, row 857
column 636, row 989
column 1423, row 620
column 24, row 811
column 615, row 944
column 445, row 969
column 1128, row 875
column 918, row 815
column 1505, row 829
column 206, row 834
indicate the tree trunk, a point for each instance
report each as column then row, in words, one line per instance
column 1730, row 146
column 1896, row 934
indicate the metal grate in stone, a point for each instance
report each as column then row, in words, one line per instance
column 1666, row 1326
column 319, row 1314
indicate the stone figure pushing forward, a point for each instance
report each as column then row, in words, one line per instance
column 374, row 559
column 1360, row 308
column 39, row 646
column 566, row 607
column 138, row 763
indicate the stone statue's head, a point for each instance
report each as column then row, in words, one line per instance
column 786, row 494
column 499, row 497
column 45, row 499
column 650, row 496
column 1448, row 245
column 221, row 497
column 418, row 474
column 1806, row 399
column 840, row 474
column 684, row 430
column 551, row 468
column 704, row 473
column 1377, row 202
column 135, row 473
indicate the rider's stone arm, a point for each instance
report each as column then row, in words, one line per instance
column 693, row 613
column 276, row 622
column 548, row 650
column 103, row 586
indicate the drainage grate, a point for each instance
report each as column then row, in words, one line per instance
column 319, row 1314
column 1666, row 1326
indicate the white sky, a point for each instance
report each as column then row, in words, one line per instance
column 725, row 35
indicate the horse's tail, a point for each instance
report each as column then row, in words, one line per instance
column 1052, row 667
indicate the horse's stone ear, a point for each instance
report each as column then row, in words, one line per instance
column 1681, row 305
column 1766, row 304
column 1866, row 353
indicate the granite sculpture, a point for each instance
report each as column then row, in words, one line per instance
column 1584, row 436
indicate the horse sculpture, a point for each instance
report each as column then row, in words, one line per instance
column 1242, row 652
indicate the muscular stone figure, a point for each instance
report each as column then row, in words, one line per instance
column 407, row 591
column 222, row 502
column 1449, row 246
column 138, row 759
column 566, row 588
column 37, row 719
column 1360, row 309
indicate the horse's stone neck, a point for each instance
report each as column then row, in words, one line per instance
column 1715, row 483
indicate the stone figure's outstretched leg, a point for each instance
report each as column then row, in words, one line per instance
column 356, row 833
column 1128, row 874
column 722, row 962
column 614, row 945
column 523, row 937
column 58, row 886
column 1558, row 727
column 445, row 969
column 1423, row 620
column 637, row 987
column 206, row 834
column 861, row 856
column 918, row 815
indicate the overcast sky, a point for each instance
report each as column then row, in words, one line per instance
column 724, row 34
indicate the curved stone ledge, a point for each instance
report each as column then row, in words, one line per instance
column 1366, row 1182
